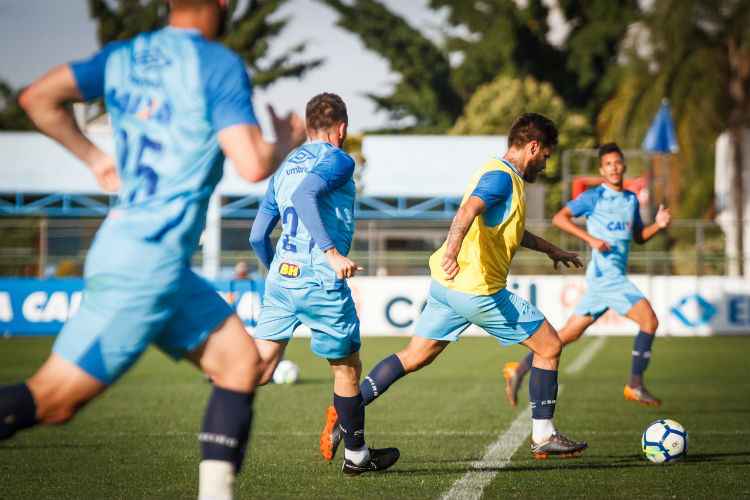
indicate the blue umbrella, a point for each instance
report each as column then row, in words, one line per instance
column 661, row 137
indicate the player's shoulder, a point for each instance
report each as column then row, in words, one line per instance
column 216, row 56
column 336, row 155
column 630, row 195
column 594, row 193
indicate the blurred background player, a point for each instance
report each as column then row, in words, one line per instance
column 612, row 220
column 313, row 194
column 469, row 274
column 176, row 101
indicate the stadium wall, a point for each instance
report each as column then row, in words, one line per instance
column 389, row 306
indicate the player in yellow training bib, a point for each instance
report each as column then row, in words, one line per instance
column 469, row 274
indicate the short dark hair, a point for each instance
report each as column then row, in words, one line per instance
column 186, row 4
column 610, row 147
column 532, row 127
column 324, row 111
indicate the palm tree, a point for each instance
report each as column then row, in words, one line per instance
column 697, row 54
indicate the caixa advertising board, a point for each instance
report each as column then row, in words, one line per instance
column 42, row 306
column 390, row 305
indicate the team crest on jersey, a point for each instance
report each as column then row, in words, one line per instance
column 148, row 66
column 289, row 270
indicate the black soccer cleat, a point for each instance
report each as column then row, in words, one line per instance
column 557, row 445
column 380, row 460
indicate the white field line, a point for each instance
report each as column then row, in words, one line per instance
column 497, row 456
column 586, row 356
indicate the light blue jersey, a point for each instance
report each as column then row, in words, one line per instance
column 299, row 260
column 612, row 216
column 312, row 194
column 168, row 94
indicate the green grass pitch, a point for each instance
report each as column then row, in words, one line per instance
column 139, row 439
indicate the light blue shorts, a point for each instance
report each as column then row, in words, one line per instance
column 120, row 316
column 330, row 314
column 504, row 315
column 620, row 295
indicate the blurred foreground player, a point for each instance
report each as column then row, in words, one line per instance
column 176, row 101
column 613, row 219
column 312, row 194
column 469, row 274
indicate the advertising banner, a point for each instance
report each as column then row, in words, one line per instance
column 41, row 307
column 389, row 306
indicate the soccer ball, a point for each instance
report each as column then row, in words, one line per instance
column 664, row 441
column 286, row 372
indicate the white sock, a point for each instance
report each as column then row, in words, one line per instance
column 541, row 429
column 358, row 457
column 216, row 480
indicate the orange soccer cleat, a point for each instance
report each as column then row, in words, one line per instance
column 330, row 436
column 640, row 395
column 512, row 382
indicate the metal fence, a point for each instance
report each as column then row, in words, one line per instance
column 57, row 247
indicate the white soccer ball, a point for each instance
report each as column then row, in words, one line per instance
column 664, row 441
column 286, row 372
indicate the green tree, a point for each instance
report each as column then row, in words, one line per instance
column 698, row 56
column 12, row 117
column 249, row 34
column 425, row 93
column 487, row 38
column 495, row 105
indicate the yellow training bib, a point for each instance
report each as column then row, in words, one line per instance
column 490, row 243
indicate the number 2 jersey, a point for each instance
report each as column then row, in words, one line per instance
column 298, row 260
column 168, row 93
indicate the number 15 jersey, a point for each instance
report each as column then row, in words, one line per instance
column 168, row 93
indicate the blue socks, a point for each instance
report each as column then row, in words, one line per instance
column 641, row 357
column 226, row 426
column 17, row 409
column 542, row 393
column 351, row 413
column 381, row 377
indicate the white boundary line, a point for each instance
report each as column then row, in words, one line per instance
column 497, row 456
column 583, row 359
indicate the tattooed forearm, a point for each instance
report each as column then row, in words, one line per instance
column 457, row 231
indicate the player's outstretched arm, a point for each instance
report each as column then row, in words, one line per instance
column 563, row 219
column 44, row 101
column 557, row 254
column 661, row 221
column 462, row 221
column 253, row 157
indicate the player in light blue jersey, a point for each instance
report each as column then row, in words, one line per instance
column 178, row 103
column 312, row 194
column 612, row 220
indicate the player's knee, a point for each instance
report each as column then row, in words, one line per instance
column 239, row 373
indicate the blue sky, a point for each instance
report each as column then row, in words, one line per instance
column 37, row 34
